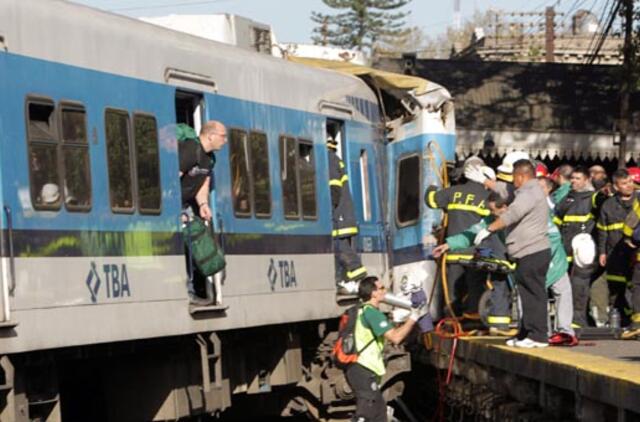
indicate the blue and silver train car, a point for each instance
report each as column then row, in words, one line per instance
column 95, row 322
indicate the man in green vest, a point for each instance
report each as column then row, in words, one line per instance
column 372, row 328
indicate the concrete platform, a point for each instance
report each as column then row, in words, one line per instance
column 599, row 379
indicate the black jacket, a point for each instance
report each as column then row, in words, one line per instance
column 465, row 204
column 576, row 214
column 611, row 221
column 344, row 220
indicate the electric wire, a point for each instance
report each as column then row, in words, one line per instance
column 601, row 21
column 612, row 17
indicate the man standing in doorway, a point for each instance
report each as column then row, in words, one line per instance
column 345, row 228
column 196, row 167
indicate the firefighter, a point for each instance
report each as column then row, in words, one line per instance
column 631, row 231
column 613, row 252
column 499, row 316
column 345, row 228
column 575, row 215
column 465, row 205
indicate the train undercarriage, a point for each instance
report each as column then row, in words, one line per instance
column 280, row 370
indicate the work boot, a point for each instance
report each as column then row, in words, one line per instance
column 502, row 330
column 346, row 288
column 196, row 300
column 630, row 333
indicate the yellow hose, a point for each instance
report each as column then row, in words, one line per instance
column 443, row 176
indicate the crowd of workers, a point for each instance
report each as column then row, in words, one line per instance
column 569, row 235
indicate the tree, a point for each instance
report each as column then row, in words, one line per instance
column 455, row 40
column 414, row 39
column 359, row 24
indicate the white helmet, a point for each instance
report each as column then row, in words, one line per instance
column 509, row 160
column 584, row 250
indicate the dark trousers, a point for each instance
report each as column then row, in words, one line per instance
column 620, row 271
column 465, row 287
column 531, row 274
column 370, row 405
column 348, row 266
column 500, row 312
column 581, row 279
column 635, row 295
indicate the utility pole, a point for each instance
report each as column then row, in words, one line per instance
column 627, row 80
column 549, row 34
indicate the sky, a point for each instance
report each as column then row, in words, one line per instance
column 290, row 19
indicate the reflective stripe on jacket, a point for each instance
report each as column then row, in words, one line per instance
column 611, row 223
column 575, row 215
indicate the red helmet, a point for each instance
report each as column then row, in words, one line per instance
column 541, row 170
column 634, row 172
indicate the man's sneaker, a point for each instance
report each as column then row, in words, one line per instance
column 563, row 339
column 527, row 343
column 348, row 288
column 198, row 301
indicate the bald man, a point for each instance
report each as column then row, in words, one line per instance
column 196, row 163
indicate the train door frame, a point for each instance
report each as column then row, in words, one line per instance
column 196, row 111
column 193, row 104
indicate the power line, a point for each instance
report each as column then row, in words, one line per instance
column 612, row 17
column 161, row 6
column 601, row 20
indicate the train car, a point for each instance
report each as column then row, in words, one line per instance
column 95, row 322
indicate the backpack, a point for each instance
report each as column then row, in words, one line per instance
column 344, row 351
column 185, row 132
column 202, row 247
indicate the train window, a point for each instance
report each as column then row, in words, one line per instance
column 408, row 191
column 75, row 157
column 145, row 131
column 240, row 184
column 43, row 155
column 307, row 169
column 289, row 177
column 259, row 152
column 364, row 180
column 119, row 160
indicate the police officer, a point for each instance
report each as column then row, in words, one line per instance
column 465, row 205
column 575, row 214
column 345, row 228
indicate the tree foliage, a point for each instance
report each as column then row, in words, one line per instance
column 360, row 24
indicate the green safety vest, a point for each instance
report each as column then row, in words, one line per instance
column 371, row 356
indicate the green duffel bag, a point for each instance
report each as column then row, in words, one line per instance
column 205, row 252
